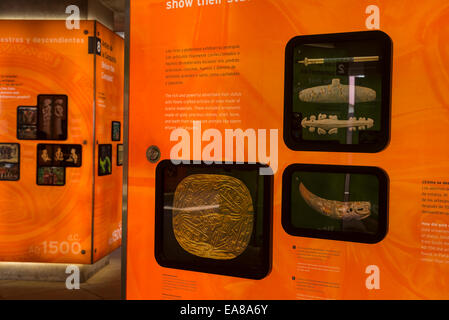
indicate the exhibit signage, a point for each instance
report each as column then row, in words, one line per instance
column 340, row 102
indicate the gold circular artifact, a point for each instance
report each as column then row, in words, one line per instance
column 213, row 216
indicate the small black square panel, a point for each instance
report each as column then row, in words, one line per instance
column 9, row 161
column 104, row 159
column 338, row 92
column 214, row 218
column 348, row 203
column 116, row 131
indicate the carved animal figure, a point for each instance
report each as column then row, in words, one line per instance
column 351, row 210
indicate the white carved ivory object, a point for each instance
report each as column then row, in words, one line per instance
column 349, row 210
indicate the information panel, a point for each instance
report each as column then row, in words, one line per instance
column 348, row 106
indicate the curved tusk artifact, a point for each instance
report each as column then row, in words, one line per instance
column 308, row 61
column 213, row 216
column 331, row 124
column 351, row 210
column 336, row 93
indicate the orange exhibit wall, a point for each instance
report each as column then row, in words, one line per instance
column 109, row 107
column 223, row 62
column 47, row 213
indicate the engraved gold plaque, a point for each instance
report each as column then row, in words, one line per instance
column 213, row 216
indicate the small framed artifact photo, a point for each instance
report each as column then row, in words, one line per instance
column 119, row 154
column 338, row 92
column 9, row 161
column 27, row 115
column 27, row 123
column 104, row 159
column 51, row 176
column 71, row 153
column 52, row 117
column 347, row 203
column 27, row 133
column 116, row 131
column 46, row 155
column 59, row 155
column 214, row 218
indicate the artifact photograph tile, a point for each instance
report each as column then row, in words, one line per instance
column 338, row 92
column 119, row 154
column 104, row 159
column 9, row 161
column 214, row 218
column 27, row 123
column 59, row 155
column 335, row 202
column 116, row 131
column 51, row 176
column 52, row 117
